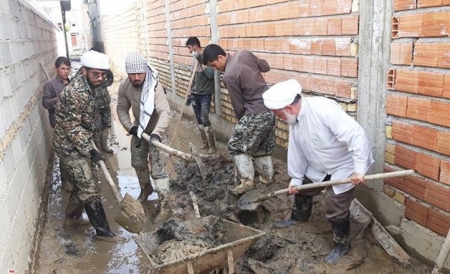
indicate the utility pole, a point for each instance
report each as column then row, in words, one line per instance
column 65, row 6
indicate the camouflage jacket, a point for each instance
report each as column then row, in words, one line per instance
column 74, row 118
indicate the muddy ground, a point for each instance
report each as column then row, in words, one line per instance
column 297, row 249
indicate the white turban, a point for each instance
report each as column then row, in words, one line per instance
column 95, row 60
column 135, row 63
column 281, row 94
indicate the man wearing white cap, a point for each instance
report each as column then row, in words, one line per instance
column 324, row 143
column 74, row 130
column 142, row 92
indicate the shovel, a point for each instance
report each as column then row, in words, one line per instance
column 185, row 156
column 251, row 200
column 131, row 215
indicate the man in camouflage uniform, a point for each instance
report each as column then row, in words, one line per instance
column 253, row 138
column 142, row 92
column 73, row 132
column 102, row 117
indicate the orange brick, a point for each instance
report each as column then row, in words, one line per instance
column 435, row 24
column 401, row 53
column 416, row 211
column 428, row 3
column 405, row 157
column 328, row 47
column 428, row 165
column 415, row 186
column 444, row 177
column 316, row 7
column 334, row 26
column 446, row 91
column 402, row 132
column 404, row 4
column 446, row 2
column 320, row 26
column 396, row 182
column 410, row 25
column 437, row 194
column 320, row 65
column 406, row 81
column 350, row 25
column 334, row 67
column 396, row 105
column 426, row 54
column 430, row 83
column 349, row 67
column 443, row 143
column 316, row 47
column 438, row 221
column 424, row 137
column 440, row 113
column 418, row 108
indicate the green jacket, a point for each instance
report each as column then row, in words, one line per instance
column 203, row 81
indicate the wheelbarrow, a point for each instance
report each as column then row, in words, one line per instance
column 237, row 239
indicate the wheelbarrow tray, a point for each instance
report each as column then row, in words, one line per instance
column 238, row 239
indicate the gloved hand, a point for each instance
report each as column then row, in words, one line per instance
column 95, row 156
column 134, row 131
column 155, row 137
column 189, row 100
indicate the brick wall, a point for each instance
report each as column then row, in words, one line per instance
column 418, row 103
column 26, row 41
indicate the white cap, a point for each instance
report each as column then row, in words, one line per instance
column 281, row 94
column 95, row 60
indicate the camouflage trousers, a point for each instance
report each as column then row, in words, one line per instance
column 83, row 173
column 141, row 153
column 102, row 118
column 254, row 135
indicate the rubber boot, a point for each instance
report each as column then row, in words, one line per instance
column 301, row 212
column 246, row 172
column 341, row 231
column 264, row 167
column 143, row 175
column 145, row 192
column 97, row 216
column 205, row 143
column 211, row 142
column 74, row 211
column 165, row 210
column 104, row 141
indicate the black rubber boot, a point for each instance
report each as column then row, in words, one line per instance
column 300, row 213
column 96, row 213
column 145, row 192
column 341, row 231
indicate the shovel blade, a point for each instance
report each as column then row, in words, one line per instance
column 249, row 201
column 131, row 215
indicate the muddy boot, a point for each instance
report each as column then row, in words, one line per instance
column 205, row 144
column 104, row 141
column 74, row 211
column 97, row 216
column 341, row 231
column 300, row 213
column 246, row 171
column 145, row 192
column 164, row 200
column 264, row 167
column 211, row 142
column 143, row 175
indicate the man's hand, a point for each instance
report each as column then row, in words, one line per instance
column 155, row 137
column 95, row 156
column 293, row 189
column 134, row 130
column 357, row 178
column 189, row 100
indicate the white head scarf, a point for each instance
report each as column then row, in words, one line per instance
column 281, row 94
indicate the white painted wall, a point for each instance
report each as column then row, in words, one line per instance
column 26, row 40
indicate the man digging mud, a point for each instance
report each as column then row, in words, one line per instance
column 254, row 134
column 73, row 132
column 324, row 144
column 142, row 92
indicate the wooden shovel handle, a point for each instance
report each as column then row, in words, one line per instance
column 339, row 182
column 171, row 151
column 108, row 177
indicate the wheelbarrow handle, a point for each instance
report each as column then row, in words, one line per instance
column 171, row 151
column 108, row 177
column 340, row 182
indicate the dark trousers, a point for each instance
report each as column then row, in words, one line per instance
column 201, row 103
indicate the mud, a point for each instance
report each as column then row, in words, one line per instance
column 297, row 249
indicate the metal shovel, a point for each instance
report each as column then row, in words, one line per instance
column 131, row 215
column 251, row 199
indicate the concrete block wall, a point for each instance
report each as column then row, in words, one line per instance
column 418, row 105
column 26, row 41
